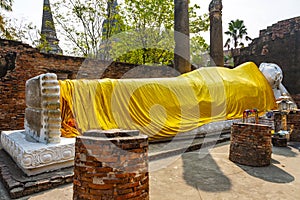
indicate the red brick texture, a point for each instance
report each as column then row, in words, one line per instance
column 112, row 165
column 250, row 144
column 293, row 122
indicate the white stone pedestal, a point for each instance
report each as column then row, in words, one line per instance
column 34, row 157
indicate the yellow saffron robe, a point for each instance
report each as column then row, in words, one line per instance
column 164, row 107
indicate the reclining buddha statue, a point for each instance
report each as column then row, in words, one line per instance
column 164, row 107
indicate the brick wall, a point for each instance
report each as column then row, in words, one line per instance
column 111, row 165
column 30, row 62
column 296, row 98
column 278, row 44
column 250, row 144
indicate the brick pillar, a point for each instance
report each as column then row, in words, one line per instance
column 293, row 121
column 111, row 165
column 250, row 144
column 182, row 36
column 277, row 121
column 216, row 33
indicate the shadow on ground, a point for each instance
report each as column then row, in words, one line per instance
column 204, row 173
column 270, row 173
column 284, row 151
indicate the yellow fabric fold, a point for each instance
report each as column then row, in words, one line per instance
column 164, row 107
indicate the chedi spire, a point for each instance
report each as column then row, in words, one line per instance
column 48, row 32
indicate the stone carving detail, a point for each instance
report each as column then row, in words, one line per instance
column 30, row 155
column 42, row 115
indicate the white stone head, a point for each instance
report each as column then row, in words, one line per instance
column 273, row 74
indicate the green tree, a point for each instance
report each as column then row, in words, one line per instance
column 7, row 6
column 146, row 38
column 150, row 35
column 237, row 31
column 24, row 31
column 136, row 31
column 16, row 29
column 199, row 47
column 81, row 22
column 199, row 51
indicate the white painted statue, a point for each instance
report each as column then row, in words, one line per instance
column 274, row 75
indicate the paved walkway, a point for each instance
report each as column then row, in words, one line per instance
column 202, row 176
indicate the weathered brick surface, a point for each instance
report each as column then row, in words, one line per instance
column 250, row 144
column 277, row 121
column 293, row 121
column 30, row 63
column 296, row 98
column 109, row 166
column 293, row 124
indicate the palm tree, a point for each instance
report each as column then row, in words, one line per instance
column 237, row 31
column 7, row 6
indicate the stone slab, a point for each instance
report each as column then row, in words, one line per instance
column 34, row 157
column 17, row 184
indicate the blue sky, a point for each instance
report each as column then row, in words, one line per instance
column 257, row 14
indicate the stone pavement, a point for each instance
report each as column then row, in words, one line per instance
column 200, row 175
column 18, row 184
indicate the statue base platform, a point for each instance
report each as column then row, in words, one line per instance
column 34, row 157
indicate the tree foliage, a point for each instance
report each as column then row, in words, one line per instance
column 17, row 29
column 237, row 31
column 76, row 21
column 24, row 31
column 150, row 28
column 81, row 22
column 199, row 51
column 135, row 31
column 5, row 5
column 199, row 47
column 147, row 37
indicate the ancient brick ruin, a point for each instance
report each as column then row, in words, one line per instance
column 280, row 44
column 111, row 165
column 293, row 122
column 250, row 144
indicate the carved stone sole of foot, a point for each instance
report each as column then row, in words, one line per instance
column 34, row 157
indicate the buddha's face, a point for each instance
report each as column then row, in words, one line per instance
column 272, row 72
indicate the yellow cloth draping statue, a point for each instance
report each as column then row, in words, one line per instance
column 164, row 107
